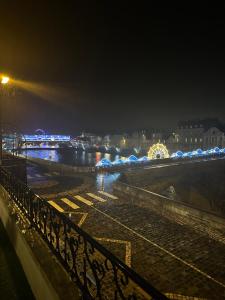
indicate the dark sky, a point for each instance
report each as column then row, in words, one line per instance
column 114, row 65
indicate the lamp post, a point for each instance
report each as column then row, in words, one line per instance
column 4, row 81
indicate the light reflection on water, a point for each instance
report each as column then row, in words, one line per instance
column 104, row 181
column 74, row 158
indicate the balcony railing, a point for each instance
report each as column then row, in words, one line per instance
column 96, row 271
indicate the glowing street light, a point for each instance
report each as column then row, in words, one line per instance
column 4, row 80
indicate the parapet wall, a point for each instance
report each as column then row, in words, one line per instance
column 199, row 184
column 47, row 278
column 167, row 207
column 61, row 168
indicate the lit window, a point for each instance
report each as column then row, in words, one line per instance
column 191, row 140
column 196, row 140
column 186, row 140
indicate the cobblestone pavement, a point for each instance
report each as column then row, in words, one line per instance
column 174, row 257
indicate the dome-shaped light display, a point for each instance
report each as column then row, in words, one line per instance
column 144, row 158
column 199, row 151
column 104, row 163
column 211, row 151
column 179, row 154
column 132, row 158
column 118, row 162
column 194, row 153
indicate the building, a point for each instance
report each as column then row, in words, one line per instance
column 213, row 137
column 195, row 134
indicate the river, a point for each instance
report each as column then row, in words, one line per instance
column 78, row 158
column 71, row 157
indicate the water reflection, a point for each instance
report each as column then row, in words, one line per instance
column 104, row 181
column 75, row 158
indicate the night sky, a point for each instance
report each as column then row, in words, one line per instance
column 112, row 66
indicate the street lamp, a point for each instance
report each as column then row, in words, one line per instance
column 4, row 81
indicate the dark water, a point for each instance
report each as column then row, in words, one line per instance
column 71, row 157
column 13, row 283
column 103, row 181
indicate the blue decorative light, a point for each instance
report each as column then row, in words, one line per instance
column 104, row 163
column 199, row 151
column 179, row 154
column 194, row 153
column 144, row 158
column 132, row 158
column 118, row 162
column 45, row 138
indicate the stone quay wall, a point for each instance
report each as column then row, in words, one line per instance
column 167, row 207
column 61, row 168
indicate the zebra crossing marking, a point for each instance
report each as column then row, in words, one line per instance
column 29, row 177
column 38, row 175
column 56, row 206
column 108, row 195
column 96, row 197
column 70, row 203
column 82, row 199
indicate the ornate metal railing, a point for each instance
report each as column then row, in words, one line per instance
column 96, row 271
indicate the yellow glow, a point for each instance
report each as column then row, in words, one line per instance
column 4, row 80
column 158, row 151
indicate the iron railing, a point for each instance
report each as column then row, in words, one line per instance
column 97, row 272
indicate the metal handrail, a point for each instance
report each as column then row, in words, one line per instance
column 97, row 272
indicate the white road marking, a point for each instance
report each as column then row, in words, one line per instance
column 56, row 206
column 82, row 199
column 70, row 203
column 96, row 197
column 108, row 195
